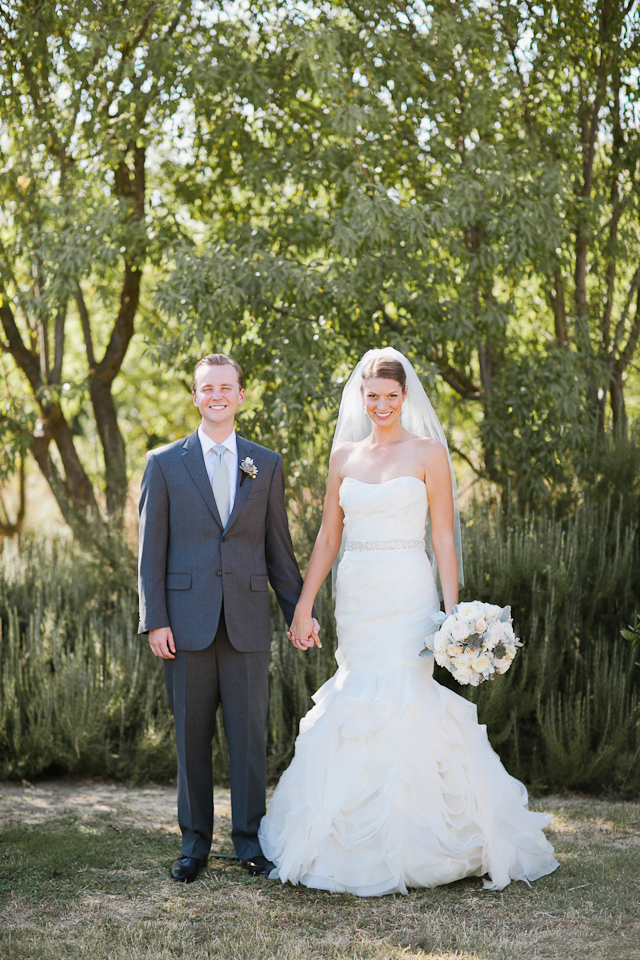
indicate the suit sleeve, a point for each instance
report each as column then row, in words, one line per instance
column 152, row 553
column 282, row 566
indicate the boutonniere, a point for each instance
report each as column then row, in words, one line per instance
column 248, row 468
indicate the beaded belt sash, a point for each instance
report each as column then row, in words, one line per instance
column 384, row 545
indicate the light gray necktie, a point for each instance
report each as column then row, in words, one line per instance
column 220, row 483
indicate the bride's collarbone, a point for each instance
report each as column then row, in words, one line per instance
column 365, row 466
column 376, row 480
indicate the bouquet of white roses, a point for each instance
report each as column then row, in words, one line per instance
column 475, row 642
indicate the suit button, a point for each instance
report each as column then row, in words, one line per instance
column 224, row 539
column 219, row 572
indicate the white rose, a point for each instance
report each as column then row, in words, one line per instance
column 465, row 656
column 453, row 650
column 494, row 637
column 492, row 612
column 483, row 663
column 501, row 666
column 447, row 625
column 510, row 652
column 461, row 630
column 470, row 609
column 481, row 625
column 440, row 641
column 463, row 673
column 442, row 659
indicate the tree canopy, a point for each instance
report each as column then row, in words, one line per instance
column 295, row 184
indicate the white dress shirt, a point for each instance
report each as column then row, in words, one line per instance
column 230, row 458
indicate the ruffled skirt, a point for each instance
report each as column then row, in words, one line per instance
column 394, row 783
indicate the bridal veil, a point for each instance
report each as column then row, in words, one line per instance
column 418, row 416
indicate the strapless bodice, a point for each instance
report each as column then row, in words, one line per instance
column 393, row 510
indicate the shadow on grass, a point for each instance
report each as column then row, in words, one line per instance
column 60, row 858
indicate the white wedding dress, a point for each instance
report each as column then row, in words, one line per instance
column 394, row 783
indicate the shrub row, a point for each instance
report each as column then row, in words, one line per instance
column 81, row 693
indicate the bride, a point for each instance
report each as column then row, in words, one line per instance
column 394, row 783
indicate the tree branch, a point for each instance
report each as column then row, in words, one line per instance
column 55, row 144
column 629, row 350
column 27, row 362
column 109, row 367
column 618, row 141
column 77, row 488
column 9, row 528
column 86, row 327
column 526, row 113
column 58, row 356
column 362, row 166
column 457, row 382
column 624, row 314
column 556, row 298
column 124, row 55
column 459, row 453
column 43, row 348
column 132, row 186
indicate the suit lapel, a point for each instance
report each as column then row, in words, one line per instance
column 243, row 483
column 194, row 462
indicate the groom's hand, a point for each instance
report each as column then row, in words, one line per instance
column 304, row 632
column 162, row 644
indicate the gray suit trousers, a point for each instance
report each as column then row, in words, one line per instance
column 197, row 681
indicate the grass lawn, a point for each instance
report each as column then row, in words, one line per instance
column 90, row 880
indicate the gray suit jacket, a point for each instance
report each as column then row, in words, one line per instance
column 187, row 562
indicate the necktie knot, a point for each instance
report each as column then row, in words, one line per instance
column 220, row 449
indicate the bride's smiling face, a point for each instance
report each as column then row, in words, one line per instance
column 383, row 400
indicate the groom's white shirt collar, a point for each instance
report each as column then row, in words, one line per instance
column 231, row 459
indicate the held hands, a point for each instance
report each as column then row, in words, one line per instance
column 304, row 631
column 162, row 643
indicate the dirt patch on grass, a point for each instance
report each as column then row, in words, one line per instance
column 139, row 808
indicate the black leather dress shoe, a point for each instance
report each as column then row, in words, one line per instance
column 258, row 866
column 186, row 869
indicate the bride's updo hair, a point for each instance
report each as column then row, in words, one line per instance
column 387, row 368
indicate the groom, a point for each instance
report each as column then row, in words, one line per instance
column 213, row 535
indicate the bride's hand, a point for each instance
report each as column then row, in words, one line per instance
column 302, row 630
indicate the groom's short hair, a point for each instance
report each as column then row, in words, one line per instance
column 218, row 360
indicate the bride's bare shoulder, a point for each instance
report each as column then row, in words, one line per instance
column 431, row 452
column 428, row 445
column 433, row 457
column 341, row 454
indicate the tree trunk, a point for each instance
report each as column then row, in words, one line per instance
column 11, row 528
column 486, row 362
column 559, row 309
column 616, row 393
column 101, row 377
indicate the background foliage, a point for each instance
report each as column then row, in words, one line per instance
column 294, row 185
column 459, row 180
column 81, row 692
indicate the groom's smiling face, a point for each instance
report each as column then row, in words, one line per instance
column 217, row 396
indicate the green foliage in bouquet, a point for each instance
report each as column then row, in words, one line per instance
column 633, row 635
